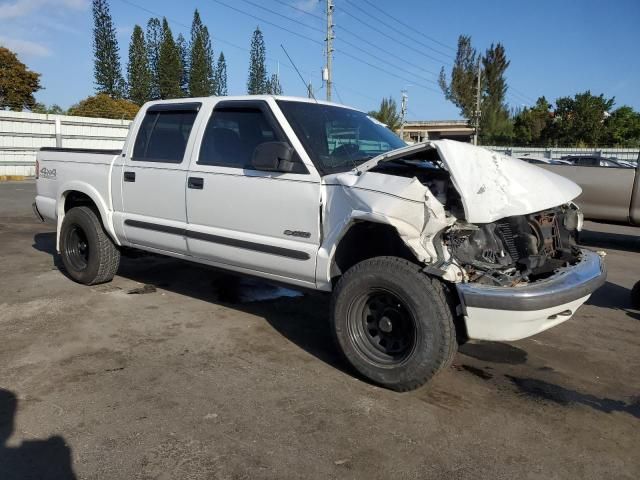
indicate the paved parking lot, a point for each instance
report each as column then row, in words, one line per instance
column 174, row 371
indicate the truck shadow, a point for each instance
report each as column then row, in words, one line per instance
column 611, row 295
column 301, row 317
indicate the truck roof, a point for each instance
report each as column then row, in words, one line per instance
column 248, row 97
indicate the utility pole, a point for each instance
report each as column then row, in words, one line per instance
column 403, row 112
column 328, row 74
column 477, row 112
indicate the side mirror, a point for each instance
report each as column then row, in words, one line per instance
column 273, row 157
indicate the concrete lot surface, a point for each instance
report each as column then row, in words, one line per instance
column 173, row 371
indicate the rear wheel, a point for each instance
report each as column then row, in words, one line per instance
column 88, row 254
column 393, row 323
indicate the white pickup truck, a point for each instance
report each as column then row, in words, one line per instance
column 422, row 246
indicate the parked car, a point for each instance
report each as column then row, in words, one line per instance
column 608, row 194
column 542, row 160
column 413, row 242
column 593, row 161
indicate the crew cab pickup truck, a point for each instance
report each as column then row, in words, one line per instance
column 609, row 193
column 421, row 246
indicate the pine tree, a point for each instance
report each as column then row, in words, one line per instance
column 495, row 122
column 208, row 48
column 201, row 74
column 169, row 65
column 257, row 82
column 154, row 40
column 273, row 85
column 138, row 73
column 108, row 76
column 461, row 91
column 181, row 44
column 221, row 76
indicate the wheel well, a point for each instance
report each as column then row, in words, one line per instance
column 367, row 240
column 78, row 199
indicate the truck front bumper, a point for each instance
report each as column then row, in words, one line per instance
column 512, row 313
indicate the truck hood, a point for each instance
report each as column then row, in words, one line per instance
column 492, row 186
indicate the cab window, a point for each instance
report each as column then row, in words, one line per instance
column 163, row 135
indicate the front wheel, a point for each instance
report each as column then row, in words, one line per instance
column 88, row 254
column 393, row 323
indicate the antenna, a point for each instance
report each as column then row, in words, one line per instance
column 299, row 74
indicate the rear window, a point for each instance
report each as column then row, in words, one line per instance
column 163, row 136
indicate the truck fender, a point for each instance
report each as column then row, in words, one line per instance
column 94, row 195
column 326, row 254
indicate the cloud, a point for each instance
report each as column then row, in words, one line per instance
column 22, row 8
column 25, row 47
column 307, row 5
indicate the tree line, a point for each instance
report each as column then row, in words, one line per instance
column 582, row 120
column 161, row 66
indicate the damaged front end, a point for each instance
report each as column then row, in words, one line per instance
column 516, row 249
column 501, row 230
column 499, row 221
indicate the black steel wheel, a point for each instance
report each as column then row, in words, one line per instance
column 382, row 327
column 393, row 323
column 88, row 253
column 76, row 247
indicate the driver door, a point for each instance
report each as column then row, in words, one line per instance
column 259, row 222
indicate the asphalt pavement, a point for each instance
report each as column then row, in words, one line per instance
column 174, row 371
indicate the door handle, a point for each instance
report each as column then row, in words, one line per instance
column 196, row 183
column 129, row 176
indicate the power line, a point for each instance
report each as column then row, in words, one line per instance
column 283, row 16
column 523, row 95
column 358, row 37
column 218, row 39
column 406, row 45
column 337, row 93
column 300, row 35
column 447, row 55
column 357, row 59
column 389, row 63
column 386, row 14
column 515, row 91
column 301, row 10
column 351, row 44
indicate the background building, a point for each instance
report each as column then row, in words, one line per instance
column 421, row 130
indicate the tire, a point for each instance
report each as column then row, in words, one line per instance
column 393, row 323
column 88, row 253
column 635, row 296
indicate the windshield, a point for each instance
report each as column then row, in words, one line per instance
column 338, row 139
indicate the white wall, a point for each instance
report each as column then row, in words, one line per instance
column 22, row 134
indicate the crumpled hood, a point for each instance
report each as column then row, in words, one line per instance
column 492, row 186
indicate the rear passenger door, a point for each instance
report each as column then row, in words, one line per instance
column 153, row 180
column 245, row 219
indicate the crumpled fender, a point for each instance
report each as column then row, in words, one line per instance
column 404, row 203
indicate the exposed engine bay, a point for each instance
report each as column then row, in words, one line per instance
column 516, row 249
column 507, row 252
